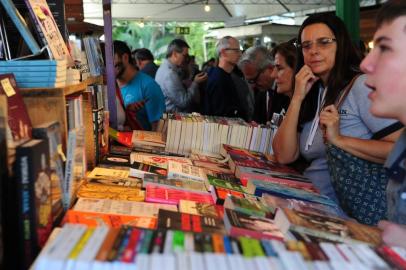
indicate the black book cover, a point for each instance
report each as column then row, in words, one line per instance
column 31, row 169
column 189, row 223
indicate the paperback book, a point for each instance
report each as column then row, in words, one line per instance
column 109, row 220
column 189, row 223
column 240, row 224
column 182, row 184
column 328, row 227
column 198, row 208
column 116, row 207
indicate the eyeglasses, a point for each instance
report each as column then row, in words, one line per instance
column 321, row 43
column 233, row 49
column 254, row 80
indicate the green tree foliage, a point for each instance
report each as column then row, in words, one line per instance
column 156, row 37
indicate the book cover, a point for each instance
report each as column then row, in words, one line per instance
column 277, row 202
column 98, row 172
column 240, row 224
column 47, row 29
column 51, row 131
column 328, row 227
column 34, row 196
column 257, row 188
column 246, row 173
column 157, row 160
column 220, row 194
column 249, row 206
column 110, row 220
column 116, row 207
column 113, row 192
column 189, row 223
column 182, row 184
column 116, row 160
column 151, row 138
column 21, row 26
column 18, row 119
column 129, row 182
column 198, row 208
column 139, row 170
column 122, row 137
column 224, row 184
column 180, row 170
column 173, row 196
column 3, row 178
column 216, row 167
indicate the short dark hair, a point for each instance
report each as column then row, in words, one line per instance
column 176, row 45
column 347, row 61
column 121, row 48
column 143, row 54
column 390, row 11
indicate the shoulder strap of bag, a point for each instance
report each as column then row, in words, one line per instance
column 346, row 91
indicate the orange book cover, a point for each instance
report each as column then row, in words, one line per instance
column 101, row 191
column 114, row 221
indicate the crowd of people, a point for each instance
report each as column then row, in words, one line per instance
column 345, row 113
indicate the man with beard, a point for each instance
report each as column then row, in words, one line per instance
column 141, row 96
column 178, row 98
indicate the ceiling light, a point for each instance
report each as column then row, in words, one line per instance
column 207, row 7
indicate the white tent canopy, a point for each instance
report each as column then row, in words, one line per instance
column 220, row 10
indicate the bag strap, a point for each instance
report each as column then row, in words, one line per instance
column 346, row 91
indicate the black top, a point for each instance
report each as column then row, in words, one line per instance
column 220, row 97
column 150, row 69
column 277, row 103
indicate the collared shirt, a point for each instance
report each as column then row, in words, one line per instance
column 396, row 190
column 177, row 97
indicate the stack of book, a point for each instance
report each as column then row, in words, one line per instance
column 187, row 132
column 36, row 73
column 146, row 210
column 129, row 247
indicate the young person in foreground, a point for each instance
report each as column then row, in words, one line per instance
column 385, row 67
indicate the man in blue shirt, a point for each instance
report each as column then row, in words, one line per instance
column 385, row 67
column 142, row 97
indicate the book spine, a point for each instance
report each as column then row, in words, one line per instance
column 36, row 23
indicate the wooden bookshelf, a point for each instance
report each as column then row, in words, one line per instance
column 49, row 104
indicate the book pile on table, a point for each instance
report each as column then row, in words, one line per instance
column 146, row 210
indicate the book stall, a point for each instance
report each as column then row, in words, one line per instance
column 200, row 192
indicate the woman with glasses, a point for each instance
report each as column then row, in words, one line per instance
column 327, row 64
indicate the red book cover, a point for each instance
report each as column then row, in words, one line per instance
column 18, row 119
column 130, row 250
column 173, row 196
